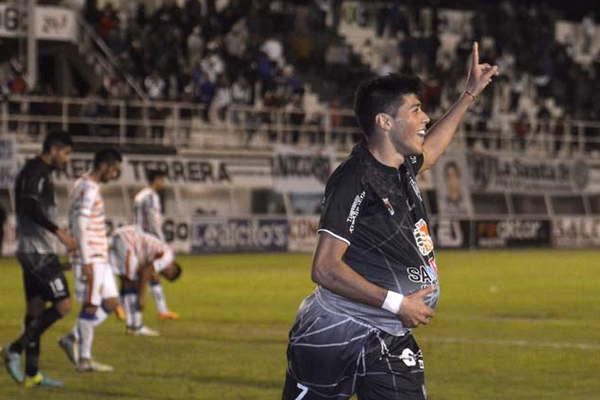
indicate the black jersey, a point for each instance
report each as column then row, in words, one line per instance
column 379, row 212
column 35, row 207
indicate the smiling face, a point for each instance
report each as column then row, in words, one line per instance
column 406, row 129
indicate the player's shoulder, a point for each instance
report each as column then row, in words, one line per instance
column 85, row 184
column 35, row 167
column 349, row 173
column 143, row 194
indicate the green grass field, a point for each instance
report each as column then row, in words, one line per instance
column 510, row 325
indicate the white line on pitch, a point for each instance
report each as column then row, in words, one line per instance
column 541, row 320
column 517, row 343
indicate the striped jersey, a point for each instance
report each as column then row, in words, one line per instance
column 147, row 213
column 87, row 222
column 130, row 243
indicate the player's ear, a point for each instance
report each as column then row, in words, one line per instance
column 383, row 121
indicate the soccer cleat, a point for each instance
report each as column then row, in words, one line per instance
column 120, row 313
column 168, row 315
column 41, row 381
column 142, row 331
column 89, row 365
column 70, row 346
column 12, row 362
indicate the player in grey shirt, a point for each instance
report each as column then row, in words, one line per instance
column 375, row 262
column 43, row 276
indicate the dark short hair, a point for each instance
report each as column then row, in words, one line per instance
column 177, row 273
column 106, row 156
column 383, row 94
column 154, row 174
column 57, row 138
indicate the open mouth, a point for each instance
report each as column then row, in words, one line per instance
column 421, row 133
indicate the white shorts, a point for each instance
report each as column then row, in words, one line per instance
column 101, row 286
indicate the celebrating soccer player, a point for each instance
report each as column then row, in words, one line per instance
column 43, row 277
column 374, row 261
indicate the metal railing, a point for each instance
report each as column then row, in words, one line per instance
column 101, row 55
column 195, row 125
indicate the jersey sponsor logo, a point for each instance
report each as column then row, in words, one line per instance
column 355, row 209
column 422, row 237
column 420, row 274
column 388, row 205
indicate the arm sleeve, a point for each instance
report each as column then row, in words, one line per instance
column 340, row 208
column 82, row 219
column 31, row 192
column 33, row 209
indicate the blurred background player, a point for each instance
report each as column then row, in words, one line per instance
column 136, row 257
column 94, row 281
column 43, row 277
column 147, row 214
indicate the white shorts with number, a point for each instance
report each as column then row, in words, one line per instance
column 101, row 286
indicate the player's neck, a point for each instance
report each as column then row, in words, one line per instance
column 94, row 176
column 385, row 152
column 47, row 159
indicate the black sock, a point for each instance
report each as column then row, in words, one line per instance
column 17, row 346
column 37, row 326
column 32, row 356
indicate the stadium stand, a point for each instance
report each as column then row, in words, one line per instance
column 241, row 86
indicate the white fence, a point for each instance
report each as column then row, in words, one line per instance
column 194, row 125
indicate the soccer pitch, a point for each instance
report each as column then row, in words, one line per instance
column 520, row 324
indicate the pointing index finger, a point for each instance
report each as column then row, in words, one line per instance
column 475, row 57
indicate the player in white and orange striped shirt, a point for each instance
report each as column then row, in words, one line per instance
column 136, row 256
column 94, row 280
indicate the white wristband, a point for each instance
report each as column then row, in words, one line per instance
column 392, row 302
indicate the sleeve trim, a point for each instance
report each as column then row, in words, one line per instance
column 334, row 235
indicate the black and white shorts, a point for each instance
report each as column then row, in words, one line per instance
column 43, row 277
column 332, row 356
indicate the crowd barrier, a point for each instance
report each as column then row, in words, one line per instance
column 209, row 235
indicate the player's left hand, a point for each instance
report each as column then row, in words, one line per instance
column 480, row 75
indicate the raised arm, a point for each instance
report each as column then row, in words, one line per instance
column 441, row 133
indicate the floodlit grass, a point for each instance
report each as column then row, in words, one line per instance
column 510, row 325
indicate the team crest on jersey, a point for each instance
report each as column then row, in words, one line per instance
column 388, row 205
column 422, row 237
column 355, row 209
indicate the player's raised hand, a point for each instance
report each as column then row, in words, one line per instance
column 414, row 311
column 480, row 75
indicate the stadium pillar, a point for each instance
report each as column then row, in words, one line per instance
column 32, row 49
